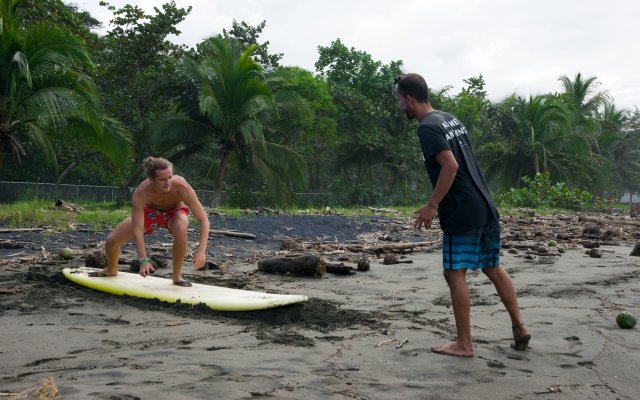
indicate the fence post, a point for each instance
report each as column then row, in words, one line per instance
column 38, row 189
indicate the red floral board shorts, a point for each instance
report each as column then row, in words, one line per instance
column 154, row 219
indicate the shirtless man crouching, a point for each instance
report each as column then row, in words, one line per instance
column 159, row 202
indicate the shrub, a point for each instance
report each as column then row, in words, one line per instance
column 539, row 192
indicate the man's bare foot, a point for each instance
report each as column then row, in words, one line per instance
column 102, row 272
column 521, row 337
column 452, row 349
column 183, row 283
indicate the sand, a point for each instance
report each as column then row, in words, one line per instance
column 363, row 336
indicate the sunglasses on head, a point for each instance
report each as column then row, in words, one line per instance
column 398, row 81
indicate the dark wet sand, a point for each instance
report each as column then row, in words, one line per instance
column 336, row 346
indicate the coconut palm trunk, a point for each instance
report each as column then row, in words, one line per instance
column 217, row 191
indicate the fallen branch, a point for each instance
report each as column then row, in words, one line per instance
column 586, row 218
column 18, row 230
column 236, row 234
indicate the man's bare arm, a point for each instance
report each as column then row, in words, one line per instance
column 198, row 212
column 137, row 217
column 448, row 171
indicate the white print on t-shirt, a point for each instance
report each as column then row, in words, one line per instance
column 454, row 129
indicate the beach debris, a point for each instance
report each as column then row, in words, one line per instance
column 594, row 253
column 65, row 253
column 45, row 390
column 64, row 206
column 363, row 264
column 96, row 259
column 625, row 320
column 10, row 244
column 305, row 265
column 383, row 210
column 636, row 250
column 392, row 258
column 391, row 340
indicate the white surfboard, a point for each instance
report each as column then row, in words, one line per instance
column 215, row 297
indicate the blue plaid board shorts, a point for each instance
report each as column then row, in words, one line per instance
column 476, row 249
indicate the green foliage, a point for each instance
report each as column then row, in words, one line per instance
column 248, row 36
column 136, row 71
column 541, row 193
column 47, row 93
column 231, row 104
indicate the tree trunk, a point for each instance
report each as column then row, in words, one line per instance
column 67, row 170
column 123, row 190
column 220, row 178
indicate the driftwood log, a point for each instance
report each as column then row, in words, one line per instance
column 306, row 265
column 339, row 269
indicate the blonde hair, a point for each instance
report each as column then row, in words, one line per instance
column 151, row 164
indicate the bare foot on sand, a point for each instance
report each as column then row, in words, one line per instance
column 99, row 273
column 521, row 337
column 452, row 349
column 183, row 283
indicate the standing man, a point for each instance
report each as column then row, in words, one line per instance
column 468, row 216
column 159, row 202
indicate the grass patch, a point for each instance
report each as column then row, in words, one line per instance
column 34, row 213
column 100, row 216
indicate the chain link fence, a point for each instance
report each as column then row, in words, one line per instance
column 14, row 191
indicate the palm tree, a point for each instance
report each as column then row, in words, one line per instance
column 226, row 117
column 582, row 101
column 45, row 92
column 619, row 147
column 535, row 139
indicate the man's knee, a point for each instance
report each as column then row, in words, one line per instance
column 111, row 241
column 491, row 272
column 179, row 226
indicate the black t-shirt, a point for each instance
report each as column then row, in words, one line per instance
column 468, row 204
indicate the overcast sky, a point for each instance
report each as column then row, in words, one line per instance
column 518, row 46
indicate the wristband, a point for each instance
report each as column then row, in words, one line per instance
column 432, row 206
column 144, row 260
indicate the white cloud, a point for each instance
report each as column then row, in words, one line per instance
column 517, row 46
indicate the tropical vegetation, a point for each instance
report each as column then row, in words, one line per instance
column 86, row 107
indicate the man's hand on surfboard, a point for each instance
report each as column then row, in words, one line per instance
column 198, row 259
column 146, row 269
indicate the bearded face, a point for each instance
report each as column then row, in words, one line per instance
column 405, row 105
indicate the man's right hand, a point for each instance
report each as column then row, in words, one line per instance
column 146, row 269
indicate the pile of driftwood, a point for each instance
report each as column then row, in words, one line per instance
column 535, row 235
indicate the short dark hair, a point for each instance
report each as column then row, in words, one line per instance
column 413, row 85
column 151, row 164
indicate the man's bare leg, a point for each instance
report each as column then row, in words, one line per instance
column 119, row 236
column 462, row 347
column 178, row 226
column 504, row 286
